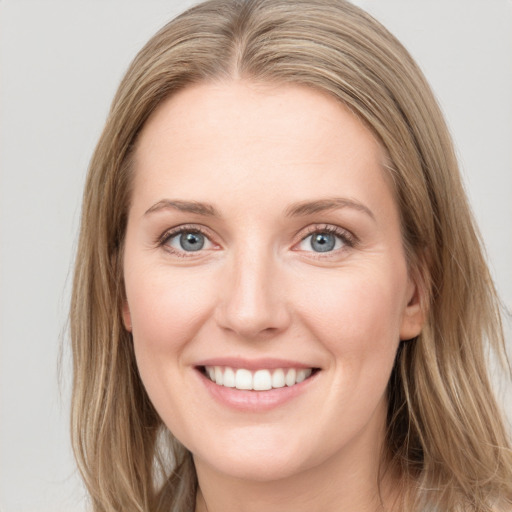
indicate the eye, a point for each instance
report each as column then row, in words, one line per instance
column 327, row 239
column 186, row 241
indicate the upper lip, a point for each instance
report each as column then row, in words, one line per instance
column 253, row 364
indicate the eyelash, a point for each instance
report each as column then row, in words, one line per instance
column 187, row 228
column 348, row 238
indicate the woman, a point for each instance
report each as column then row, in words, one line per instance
column 280, row 300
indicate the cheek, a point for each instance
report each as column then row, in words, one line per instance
column 356, row 317
column 357, row 311
column 167, row 308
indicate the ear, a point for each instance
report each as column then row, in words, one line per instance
column 127, row 318
column 414, row 314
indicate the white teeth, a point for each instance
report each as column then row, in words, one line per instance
column 243, row 379
column 301, row 375
column 260, row 380
column 278, row 378
column 229, row 378
column 290, row 377
column 219, row 374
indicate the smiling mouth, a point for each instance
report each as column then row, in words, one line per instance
column 258, row 380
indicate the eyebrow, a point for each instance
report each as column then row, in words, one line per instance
column 184, row 206
column 305, row 208
column 300, row 209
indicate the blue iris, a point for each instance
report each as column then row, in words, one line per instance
column 192, row 241
column 323, row 242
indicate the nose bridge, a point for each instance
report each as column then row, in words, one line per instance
column 253, row 303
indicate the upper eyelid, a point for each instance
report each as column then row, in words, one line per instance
column 331, row 228
column 171, row 232
column 319, row 228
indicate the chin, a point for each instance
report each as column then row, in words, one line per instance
column 255, row 469
column 261, row 460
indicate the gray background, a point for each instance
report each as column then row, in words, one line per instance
column 60, row 63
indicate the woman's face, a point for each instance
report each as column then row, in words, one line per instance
column 264, row 251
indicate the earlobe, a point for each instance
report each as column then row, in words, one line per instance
column 414, row 315
column 127, row 318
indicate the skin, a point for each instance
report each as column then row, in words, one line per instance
column 259, row 289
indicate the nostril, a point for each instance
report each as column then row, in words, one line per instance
column 252, row 306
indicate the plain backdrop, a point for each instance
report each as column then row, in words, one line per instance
column 60, row 63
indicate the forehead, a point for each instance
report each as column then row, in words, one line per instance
column 240, row 138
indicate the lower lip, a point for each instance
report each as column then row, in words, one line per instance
column 255, row 401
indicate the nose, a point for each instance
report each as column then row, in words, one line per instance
column 253, row 302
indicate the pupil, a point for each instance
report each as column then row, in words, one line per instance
column 323, row 242
column 192, row 241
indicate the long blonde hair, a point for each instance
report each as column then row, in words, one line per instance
column 445, row 436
